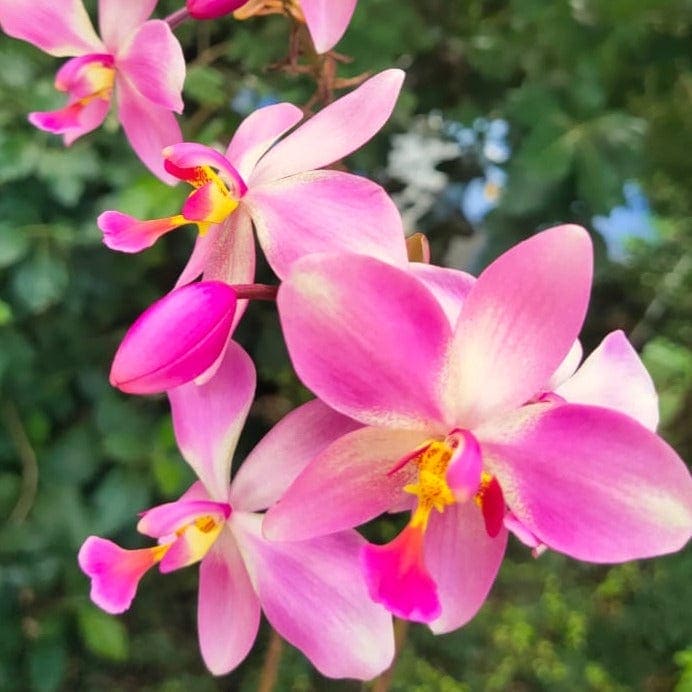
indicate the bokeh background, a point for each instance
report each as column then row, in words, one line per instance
column 516, row 115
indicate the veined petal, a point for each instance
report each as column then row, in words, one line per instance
column 149, row 128
column 340, row 128
column 127, row 234
column 118, row 20
column 185, row 160
column 153, row 62
column 449, row 286
column 325, row 211
column 398, row 579
column 228, row 611
column 58, row 28
column 389, row 331
column 518, row 323
column 258, row 132
column 209, row 418
column 613, row 376
column 590, row 482
column 347, row 484
column 114, row 572
column 327, row 20
column 463, row 561
column 175, row 339
column 284, row 452
column 313, row 594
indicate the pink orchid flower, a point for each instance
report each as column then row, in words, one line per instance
column 295, row 209
column 311, row 591
column 447, row 427
column 175, row 340
column 138, row 59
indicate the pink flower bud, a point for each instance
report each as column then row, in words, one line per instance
column 211, row 9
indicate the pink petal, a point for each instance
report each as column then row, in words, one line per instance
column 340, row 128
column 390, row 335
column 613, row 376
column 463, row 560
column 398, row 579
column 346, row 484
column 284, row 452
column 58, row 28
column 518, row 323
column 211, row 9
column 464, row 470
column 567, row 368
column 449, row 286
column 168, row 518
column 73, row 121
column 228, row 611
column 327, row 20
column 118, row 20
column 127, row 234
column 313, row 594
column 175, row 339
column 149, row 128
column 231, row 257
column 183, row 160
column 258, row 132
column 153, row 63
column 590, row 482
column 208, row 204
column 114, row 572
column 325, row 211
column 209, row 418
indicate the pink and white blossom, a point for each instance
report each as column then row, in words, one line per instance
column 449, row 427
column 311, row 591
column 137, row 60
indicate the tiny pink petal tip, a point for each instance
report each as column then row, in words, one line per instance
column 176, row 339
column 397, row 578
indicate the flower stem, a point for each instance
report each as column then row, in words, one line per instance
column 270, row 668
column 255, row 291
column 176, row 18
column 383, row 682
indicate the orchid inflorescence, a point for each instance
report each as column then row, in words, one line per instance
column 459, row 400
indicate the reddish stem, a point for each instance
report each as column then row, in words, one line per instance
column 176, row 18
column 255, row 291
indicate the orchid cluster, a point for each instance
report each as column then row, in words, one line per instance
column 460, row 401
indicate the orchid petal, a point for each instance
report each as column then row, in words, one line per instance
column 314, row 596
column 340, row 128
column 175, row 339
column 154, row 64
column 114, row 572
column 613, row 376
column 398, row 579
column 518, row 323
column 149, row 128
column 72, row 121
column 389, row 331
column 590, row 482
column 350, row 482
column 168, row 518
column 327, row 21
column 449, row 286
column 127, row 234
column 567, row 368
column 209, row 418
column 183, row 160
column 61, row 29
column 463, row 560
column 465, row 467
column 284, row 452
column 228, row 611
column 118, row 20
column 325, row 211
column 211, row 9
column 258, row 132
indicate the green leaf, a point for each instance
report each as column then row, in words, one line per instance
column 40, row 282
column 13, row 244
column 103, row 634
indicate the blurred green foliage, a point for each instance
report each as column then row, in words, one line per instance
column 596, row 93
